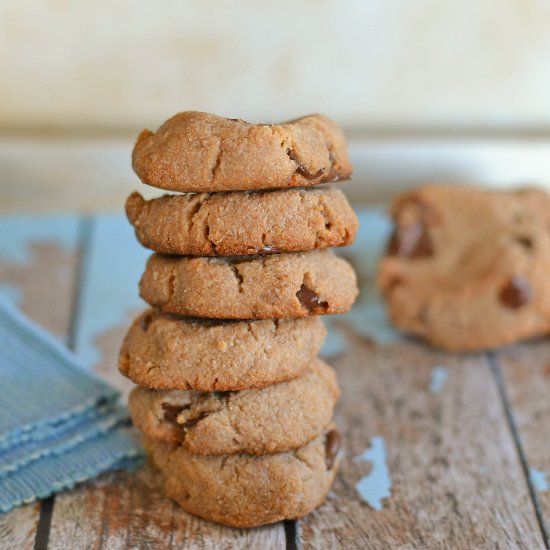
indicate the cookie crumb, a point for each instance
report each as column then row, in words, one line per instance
column 221, row 345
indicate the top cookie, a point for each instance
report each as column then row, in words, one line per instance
column 467, row 269
column 199, row 152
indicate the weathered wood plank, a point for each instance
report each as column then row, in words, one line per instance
column 456, row 479
column 18, row 527
column 126, row 510
column 38, row 260
column 525, row 371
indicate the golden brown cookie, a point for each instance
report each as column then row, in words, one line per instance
column 252, row 287
column 244, row 490
column 199, row 152
column 276, row 418
column 241, row 223
column 167, row 352
column 467, row 269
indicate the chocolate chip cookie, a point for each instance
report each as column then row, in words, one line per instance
column 167, row 352
column 466, row 268
column 244, row 490
column 277, row 418
column 234, row 224
column 199, row 152
column 252, row 287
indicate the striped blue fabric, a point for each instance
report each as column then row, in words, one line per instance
column 59, row 424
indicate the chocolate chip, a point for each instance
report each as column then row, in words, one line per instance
column 333, row 443
column 516, row 292
column 171, row 412
column 524, row 241
column 145, row 322
column 301, row 169
column 310, row 300
column 192, row 421
column 303, row 172
column 412, row 241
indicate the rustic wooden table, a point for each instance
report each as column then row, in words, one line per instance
column 450, row 451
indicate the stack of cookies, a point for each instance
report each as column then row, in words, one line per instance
column 235, row 406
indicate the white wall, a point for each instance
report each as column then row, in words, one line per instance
column 125, row 64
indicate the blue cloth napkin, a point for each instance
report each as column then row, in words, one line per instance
column 59, row 424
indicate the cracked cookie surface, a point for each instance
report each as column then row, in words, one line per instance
column 273, row 419
column 199, row 152
column 251, row 287
column 244, row 490
column 168, row 352
column 466, row 268
column 232, row 224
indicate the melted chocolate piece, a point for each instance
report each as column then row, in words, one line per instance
column 301, row 169
column 310, row 300
column 412, row 242
column 171, row 412
column 193, row 421
column 516, row 293
column 145, row 322
column 303, row 172
column 524, row 241
column 333, row 443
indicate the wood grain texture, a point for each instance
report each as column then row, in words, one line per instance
column 41, row 269
column 525, row 370
column 54, row 267
column 457, row 481
column 122, row 510
column 128, row 511
column 18, row 527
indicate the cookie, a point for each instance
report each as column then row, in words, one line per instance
column 199, row 152
column 234, row 224
column 244, row 490
column 277, row 418
column 467, row 269
column 252, row 287
column 167, row 352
